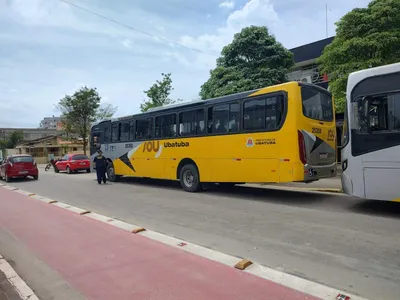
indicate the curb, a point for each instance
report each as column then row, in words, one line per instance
column 22, row 289
column 299, row 189
column 245, row 265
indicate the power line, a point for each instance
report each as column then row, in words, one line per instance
column 133, row 28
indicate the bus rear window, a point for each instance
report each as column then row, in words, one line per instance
column 317, row 105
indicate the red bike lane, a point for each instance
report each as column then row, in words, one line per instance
column 105, row 262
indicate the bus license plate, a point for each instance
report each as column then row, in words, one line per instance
column 22, row 172
column 323, row 155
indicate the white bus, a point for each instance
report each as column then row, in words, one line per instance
column 371, row 134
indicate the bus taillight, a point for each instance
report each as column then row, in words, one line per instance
column 302, row 148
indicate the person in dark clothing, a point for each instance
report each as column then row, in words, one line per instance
column 100, row 164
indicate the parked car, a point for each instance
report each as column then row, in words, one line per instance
column 73, row 163
column 19, row 166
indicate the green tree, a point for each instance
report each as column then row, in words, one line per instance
column 3, row 145
column 14, row 138
column 253, row 60
column 81, row 109
column 365, row 38
column 66, row 127
column 158, row 93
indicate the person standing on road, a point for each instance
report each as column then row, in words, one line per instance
column 100, row 164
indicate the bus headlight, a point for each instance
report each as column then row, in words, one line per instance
column 345, row 165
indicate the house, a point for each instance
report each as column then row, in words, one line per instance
column 42, row 149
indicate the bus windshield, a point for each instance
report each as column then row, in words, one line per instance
column 379, row 113
column 317, row 105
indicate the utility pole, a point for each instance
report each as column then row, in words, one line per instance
column 326, row 17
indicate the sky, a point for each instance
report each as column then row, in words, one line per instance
column 49, row 49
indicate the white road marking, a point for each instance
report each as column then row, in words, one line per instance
column 23, row 290
column 70, row 207
column 123, row 225
column 99, row 217
column 43, row 199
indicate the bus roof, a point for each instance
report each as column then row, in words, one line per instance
column 356, row 77
column 195, row 103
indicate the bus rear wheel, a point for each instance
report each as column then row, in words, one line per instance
column 190, row 178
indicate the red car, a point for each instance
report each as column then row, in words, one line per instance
column 73, row 163
column 19, row 166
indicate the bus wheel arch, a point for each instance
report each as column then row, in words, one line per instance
column 111, row 171
column 189, row 175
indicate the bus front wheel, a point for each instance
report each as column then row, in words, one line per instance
column 190, row 179
column 111, row 174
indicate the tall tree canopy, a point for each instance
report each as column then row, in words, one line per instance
column 365, row 38
column 253, row 60
column 158, row 93
column 81, row 109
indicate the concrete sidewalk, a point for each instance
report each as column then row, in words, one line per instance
column 105, row 262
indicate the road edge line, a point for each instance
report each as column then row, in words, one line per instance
column 285, row 279
column 20, row 286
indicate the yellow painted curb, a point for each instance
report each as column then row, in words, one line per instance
column 396, row 200
column 328, row 190
column 137, row 230
column 243, row 264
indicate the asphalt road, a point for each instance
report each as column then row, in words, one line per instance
column 347, row 243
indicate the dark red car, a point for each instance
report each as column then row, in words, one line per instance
column 19, row 166
column 73, row 163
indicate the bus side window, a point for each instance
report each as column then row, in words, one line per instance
column 144, row 128
column 114, row 132
column 218, row 119
column 254, row 114
column 272, row 113
column 200, row 122
column 132, row 130
column 234, row 117
column 165, row 126
column 187, row 123
column 106, row 135
column 124, row 132
column 210, row 120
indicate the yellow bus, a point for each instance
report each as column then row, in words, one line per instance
column 281, row 133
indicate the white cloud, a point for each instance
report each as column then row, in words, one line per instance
column 227, row 4
column 254, row 12
column 127, row 43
